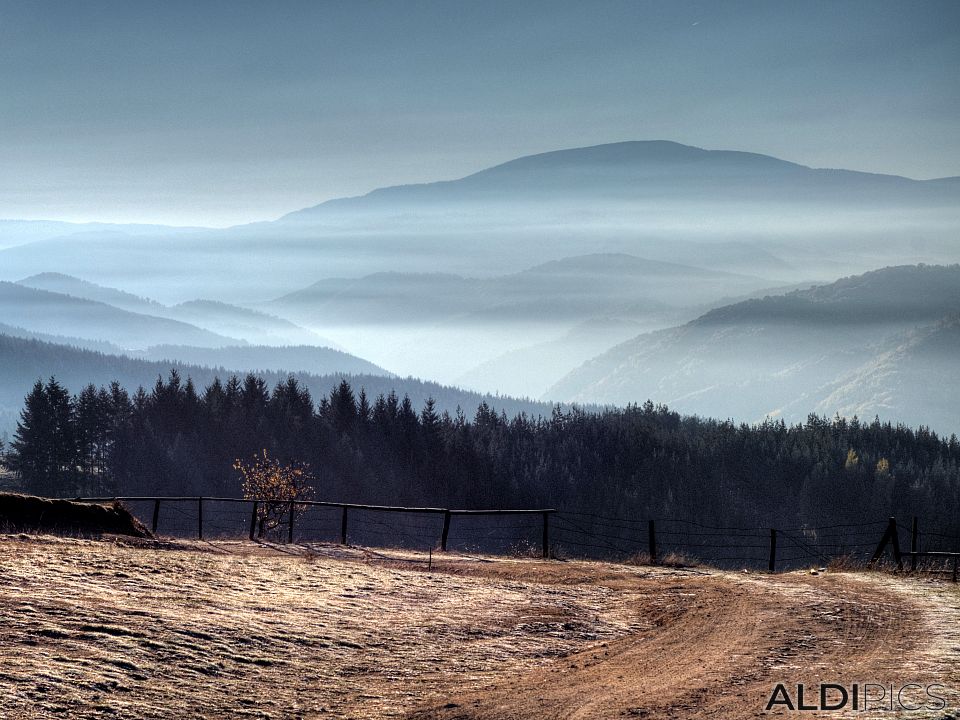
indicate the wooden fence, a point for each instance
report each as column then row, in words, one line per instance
column 550, row 532
column 891, row 538
column 291, row 508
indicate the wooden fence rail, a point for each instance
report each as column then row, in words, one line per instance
column 571, row 532
column 294, row 505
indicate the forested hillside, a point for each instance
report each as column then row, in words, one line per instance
column 871, row 344
column 636, row 462
column 23, row 361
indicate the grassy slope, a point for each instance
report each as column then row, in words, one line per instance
column 98, row 628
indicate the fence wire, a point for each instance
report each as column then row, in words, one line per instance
column 570, row 533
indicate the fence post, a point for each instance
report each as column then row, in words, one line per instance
column 343, row 526
column 200, row 518
column 772, row 565
column 546, row 535
column 652, row 542
column 290, row 529
column 895, row 538
column 253, row 519
column 881, row 546
column 914, row 544
column 446, row 530
column 156, row 515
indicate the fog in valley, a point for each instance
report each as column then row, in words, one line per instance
column 609, row 274
column 601, row 210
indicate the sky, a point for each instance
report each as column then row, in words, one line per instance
column 223, row 112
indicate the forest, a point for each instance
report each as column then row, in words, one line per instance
column 641, row 461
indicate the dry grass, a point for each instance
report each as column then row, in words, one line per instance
column 138, row 629
column 90, row 629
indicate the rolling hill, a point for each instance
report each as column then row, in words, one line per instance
column 570, row 289
column 22, row 232
column 444, row 325
column 230, row 320
column 58, row 314
column 24, row 361
column 913, row 379
column 251, row 325
column 874, row 343
column 75, row 287
column 254, row 358
column 242, row 358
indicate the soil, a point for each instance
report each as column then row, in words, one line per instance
column 146, row 629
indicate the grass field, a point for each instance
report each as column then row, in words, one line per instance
column 141, row 629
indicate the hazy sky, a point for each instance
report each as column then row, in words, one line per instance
column 210, row 112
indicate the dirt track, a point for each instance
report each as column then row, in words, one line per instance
column 715, row 647
column 98, row 629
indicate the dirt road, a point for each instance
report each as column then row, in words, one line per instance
column 105, row 629
column 716, row 646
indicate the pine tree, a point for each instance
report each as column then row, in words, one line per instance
column 44, row 451
column 343, row 408
column 364, row 411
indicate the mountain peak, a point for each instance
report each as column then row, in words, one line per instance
column 632, row 171
column 631, row 153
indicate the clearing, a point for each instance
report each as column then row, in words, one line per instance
column 132, row 628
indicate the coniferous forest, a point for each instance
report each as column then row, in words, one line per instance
column 640, row 461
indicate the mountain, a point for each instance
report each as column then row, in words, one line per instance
column 254, row 358
column 533, row 369
column 567, row 290
column 382, row 298
column 745, row 213
column 659, row 170
column 172, row 342
column 21, row 232
column 23, row 361
column 913, row 378
column 242, row 358
column 443, row 325
column 57, row 314
column 789, row 355
column 75, row 342
column 224, row 319
column 75, row 287
column 251, row 325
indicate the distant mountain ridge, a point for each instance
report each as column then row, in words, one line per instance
column 86, row 290
column 628, row 165
column 23, row 361
column 586, row 283
column 821, row 349
column 443, row 325
column 55, row 313
column 256, row 358
column 913, row 378
column 902, row 294
column 241, row 325
column 741, row 212
column 509, row 278
column 22, row 232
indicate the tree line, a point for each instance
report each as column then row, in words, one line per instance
column 641, row 461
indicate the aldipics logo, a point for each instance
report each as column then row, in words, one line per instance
column 859, row 697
